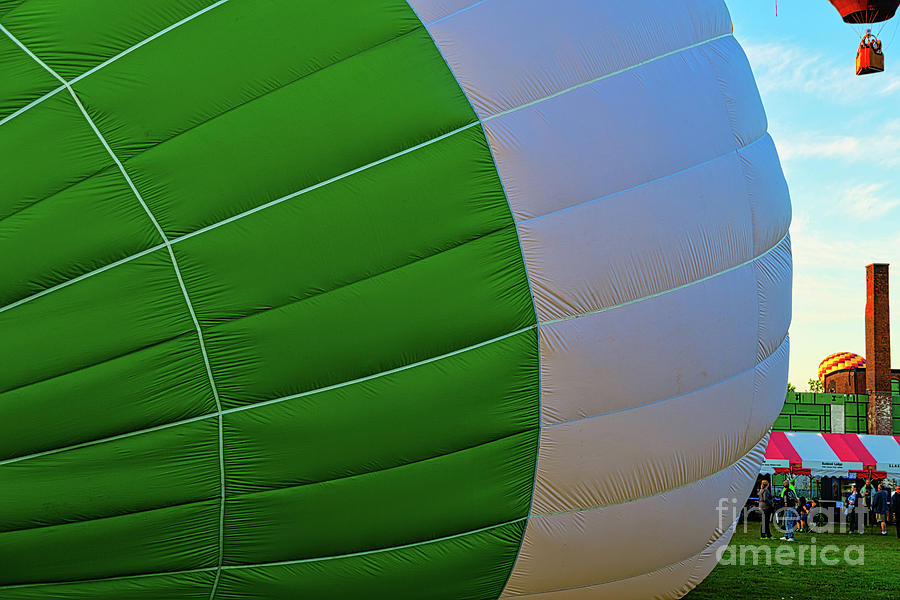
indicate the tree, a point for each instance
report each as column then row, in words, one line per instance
column 792, row 389
column 815, row 386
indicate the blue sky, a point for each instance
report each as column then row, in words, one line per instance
column 838, row 136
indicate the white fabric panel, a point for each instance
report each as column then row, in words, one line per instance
column 650, row 350
column 631, row 142
column 429, row 11
column 818, row 456
column 504, row 54
column 580, row 262
column 774, row 272
column 579, row 548
column 886, row 451
column 684, row 575
column 624, row 131
column 768, row 193
column 769, row 384
column 655, row 447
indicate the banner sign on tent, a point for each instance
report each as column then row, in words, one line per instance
column 833, row 455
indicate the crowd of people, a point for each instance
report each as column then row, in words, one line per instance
column 869, row 505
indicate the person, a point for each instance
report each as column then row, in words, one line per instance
column 803, row 513
column 881, row 505
column 868, row 491
column 789, row 496
column 815, row 511
column 766, row 507
column 895, row 508
column 850, row 510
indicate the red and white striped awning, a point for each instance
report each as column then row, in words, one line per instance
column 833, row 455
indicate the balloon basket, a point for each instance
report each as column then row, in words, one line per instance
column 869, row 61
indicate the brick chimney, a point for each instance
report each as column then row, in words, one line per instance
column 878, row 350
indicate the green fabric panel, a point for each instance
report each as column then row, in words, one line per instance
column 466, row 295
column 261, row 127
column 8, row 5
column 355, row 233
column 160, row 384
column 161, row 468
column 182, row 586
column 72, row 37
column 483, row 394
column 45, row 150
column 121, row 310
column 479, row 560
column 23, row 79
column 167, row 539
column 77, row 230
column 392, row 507
column 382, row 110
column 132, row 97
column 388, row 292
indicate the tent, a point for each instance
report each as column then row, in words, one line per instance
column 833, row 455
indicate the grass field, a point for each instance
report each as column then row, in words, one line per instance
column 878, row 576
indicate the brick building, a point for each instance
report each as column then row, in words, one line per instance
column 851, row 381
column 862, row 395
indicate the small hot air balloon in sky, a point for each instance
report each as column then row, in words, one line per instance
column 382, row 300
column 869, row 55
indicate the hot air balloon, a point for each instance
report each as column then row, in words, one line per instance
column 866, row 11
column 383, row 300
column 839, row 361
column 869, row 55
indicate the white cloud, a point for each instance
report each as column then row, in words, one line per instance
column 856, row 201
column 882, row 147
column 869, row 200
column 790, row 67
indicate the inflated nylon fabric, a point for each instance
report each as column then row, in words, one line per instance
column 689, row 573
column 654, row 218
column 667, row 319
column 560, row 547
column 329, row 209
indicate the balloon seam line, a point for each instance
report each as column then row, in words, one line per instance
column 357, row 170
column 181, row 284
column 186, row 236
column 621, row 71
column 391, row 548
column 241, row 215
column 107, row 61
column 755, row 366
column 454, row 13
column 512, row 218
column 83, row 276
column 246, row 213
column 670, row 290
column 734, row 152
column 376, row 375
column 653, row 495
